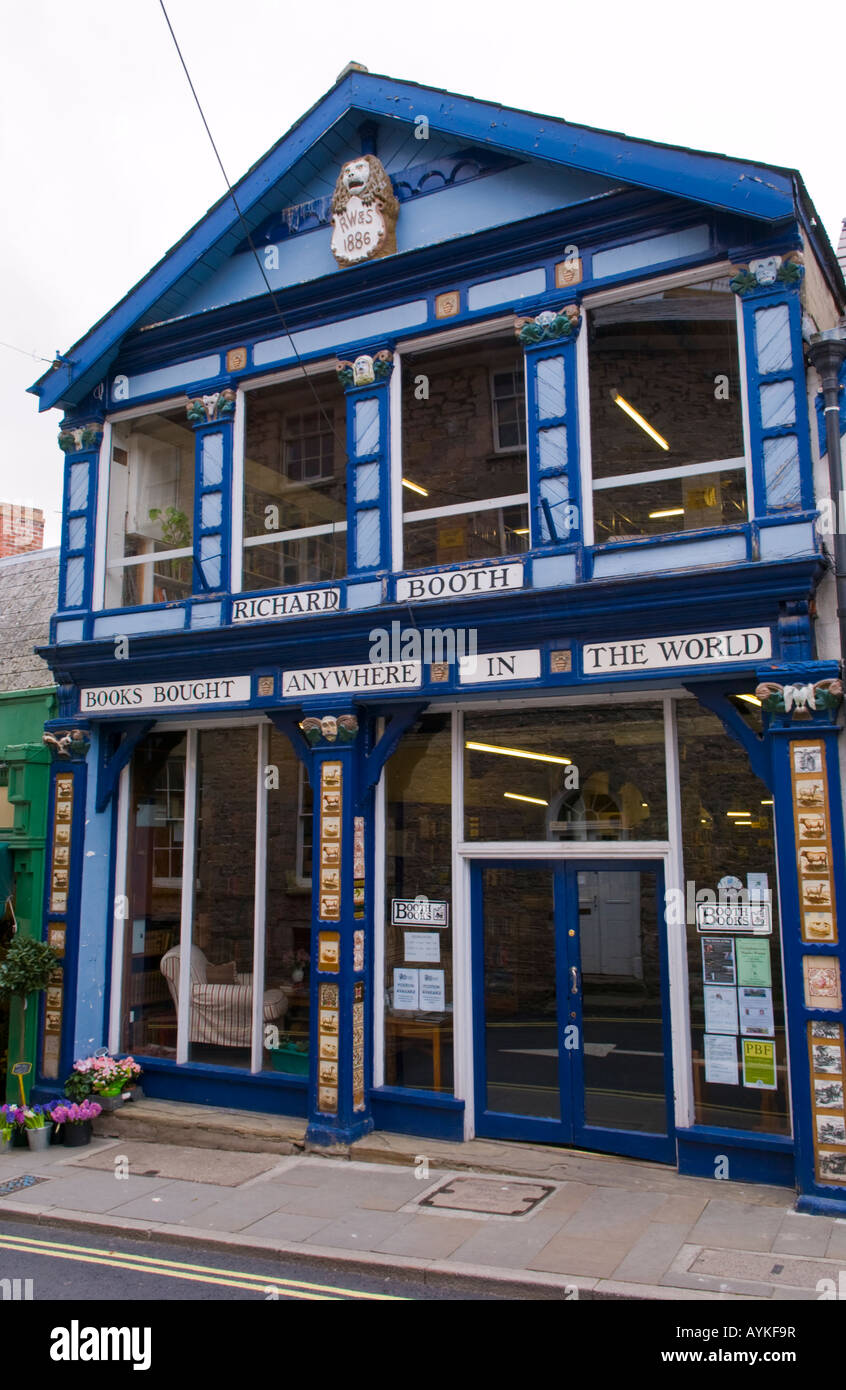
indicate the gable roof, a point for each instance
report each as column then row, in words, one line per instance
column 763, row 192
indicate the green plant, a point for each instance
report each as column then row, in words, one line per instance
column 79, row 1086
column 176, row 528
column 26, row 968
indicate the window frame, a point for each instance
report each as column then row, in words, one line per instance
column 622, row 293
column 240, row 541
column 399, row 517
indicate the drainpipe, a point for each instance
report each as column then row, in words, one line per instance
column 827, row 352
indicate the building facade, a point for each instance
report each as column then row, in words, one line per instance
column 447, row 649
column 28, row 588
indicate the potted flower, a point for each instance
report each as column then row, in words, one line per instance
column 38, row 1125
column 290, row 1055
column 7, row 1131
column 76, row 1119
column 25, row 970
column 14, row 1116
column 105, row 1076
column 131, row 1074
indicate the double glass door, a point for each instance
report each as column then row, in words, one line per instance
column 571, row 1030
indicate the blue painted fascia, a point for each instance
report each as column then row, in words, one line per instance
column 751, row 190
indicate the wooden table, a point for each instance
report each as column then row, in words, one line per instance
column 419, row 1028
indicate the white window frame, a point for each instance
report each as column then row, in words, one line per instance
column 621, row 294
column 102, row 561
column 333, row 528
column 399, row 518
column 510, row 448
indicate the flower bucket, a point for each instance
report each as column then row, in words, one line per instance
column 39, row 1138
column 5, row 1144
column 289, row 1059
column 78, row 1134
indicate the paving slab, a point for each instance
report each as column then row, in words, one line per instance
column 575, row 1255
column 87, row 1193
column 174, row 1202
column 285, row 1226
column 786, row 1271
column 429, row 1238
column 801, row 1234
column 652, row 1253
column 737, row 1225
column 363, row 1230
column 615, row 1216
column 508, row 1244
column 837, row 1241
column 225, row 1168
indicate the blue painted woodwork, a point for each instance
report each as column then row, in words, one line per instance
column 554, row 485
column 778, row 411
column 368, row 477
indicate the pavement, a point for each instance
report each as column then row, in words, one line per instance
column 535, row 1220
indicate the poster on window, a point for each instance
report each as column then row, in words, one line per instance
column 720, row 1009
column 432, row 991
column 718, row 967
column 756, row 1012
column 759, row 1064
column 753, row 963
column 406, row 988
column 721, row 1059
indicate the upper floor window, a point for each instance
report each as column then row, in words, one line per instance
column 464, row 470
column 294, row 484
column 666, row 423
column 151, row 510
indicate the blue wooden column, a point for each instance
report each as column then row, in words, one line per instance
column 331, row 744
column 367, row 384
column 212, row 417
column 69, row 742
column 800, row 705
column 549, row 341
column 80, row 442
column 782, row 469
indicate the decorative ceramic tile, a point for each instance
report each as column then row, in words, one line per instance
column 447, row 304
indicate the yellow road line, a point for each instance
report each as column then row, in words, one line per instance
column 178, row 1269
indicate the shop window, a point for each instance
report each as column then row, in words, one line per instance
column 224, row 771
column 464, row 470
column 294, row 485
column 666, row 423
column 151, row 510
column 220, row 1020
column 572, row 773
column 154, row 893
column 418, row 956
column 288, row 892
column 736, row 991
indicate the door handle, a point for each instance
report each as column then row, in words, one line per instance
column 574, row 979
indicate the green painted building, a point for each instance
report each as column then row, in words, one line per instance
column 27, row 699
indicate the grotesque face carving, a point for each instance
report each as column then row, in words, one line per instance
column 765, row 269
column 356, row 175
column 329, row 727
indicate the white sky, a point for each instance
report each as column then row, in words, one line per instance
column 106, row 164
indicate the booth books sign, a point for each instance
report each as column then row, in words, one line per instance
column 419, row 911
column 739, row 917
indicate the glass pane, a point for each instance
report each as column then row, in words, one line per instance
column 74, row 580
column 520, row 1001
column 283, row 563
column 294, row 457
column 772, row 339
column 366, row 427
column 677, row 504
column 288, row 906
column 621, row 1000
column 461, row 407
column 418, row 852
column 781, row 471
column 151, row 506
column 159, row 581
column 570, row 773
column 154, row 895
column 474, row 536
column 663, row 357
column 221, row 965
column 727, row 827
column 550, row 388
column 367, row 537
column 778, row 404
column 212, row 460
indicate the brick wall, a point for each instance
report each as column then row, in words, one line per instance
column 21, row 529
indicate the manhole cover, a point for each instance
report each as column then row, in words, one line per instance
column 492, row 1196
column 15, row 1184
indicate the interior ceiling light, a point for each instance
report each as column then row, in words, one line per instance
column 766, row 803
column 671, row 511
column 639, row 420
column 518, row 753
column 750, row 699
column 521, row 530
column 535, row 800
column 415, row 487
column 744, row 814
